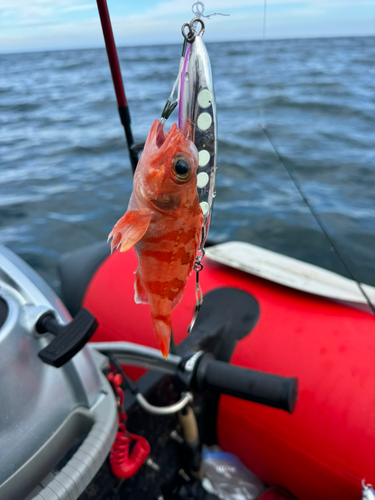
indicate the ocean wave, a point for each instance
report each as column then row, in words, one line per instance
column 65, row 168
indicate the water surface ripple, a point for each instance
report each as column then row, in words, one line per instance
column 65, row 175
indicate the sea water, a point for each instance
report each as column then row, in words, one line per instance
column 65, row 173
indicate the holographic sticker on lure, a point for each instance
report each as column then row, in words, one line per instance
column 197, row 115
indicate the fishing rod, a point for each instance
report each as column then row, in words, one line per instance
column 114, row 64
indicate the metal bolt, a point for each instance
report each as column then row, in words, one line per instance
column 152, row 464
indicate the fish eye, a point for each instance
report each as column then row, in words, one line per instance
column 181, row 169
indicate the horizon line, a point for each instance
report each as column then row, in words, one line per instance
column 258, row 39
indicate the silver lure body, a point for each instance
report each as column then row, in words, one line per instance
column 197, row 119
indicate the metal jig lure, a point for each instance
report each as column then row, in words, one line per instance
column 197, row 120
column 197, row 115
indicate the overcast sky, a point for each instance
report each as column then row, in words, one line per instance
column 53, row 24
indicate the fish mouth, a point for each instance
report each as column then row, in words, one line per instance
column 162, row 139
column 160, row 135
column 158, row 141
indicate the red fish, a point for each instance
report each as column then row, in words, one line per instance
column 164, row 223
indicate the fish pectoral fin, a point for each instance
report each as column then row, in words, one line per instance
column 129, row 229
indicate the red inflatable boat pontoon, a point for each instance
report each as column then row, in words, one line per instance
column 327, row 446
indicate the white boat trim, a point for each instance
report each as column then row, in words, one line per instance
column 289, row 272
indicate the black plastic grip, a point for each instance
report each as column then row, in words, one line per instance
column 69, row 339
column 252, row 385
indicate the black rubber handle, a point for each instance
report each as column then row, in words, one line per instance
column 69, row 339
column 265, row 388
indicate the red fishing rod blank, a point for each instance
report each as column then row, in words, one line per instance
column 117, row 79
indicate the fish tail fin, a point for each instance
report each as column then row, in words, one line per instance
column 163, row 329
column 129, row 229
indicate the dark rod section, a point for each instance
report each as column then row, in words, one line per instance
column 117, row 79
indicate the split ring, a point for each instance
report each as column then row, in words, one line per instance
column 198, row 9
column 197, row 20
column 190, row 36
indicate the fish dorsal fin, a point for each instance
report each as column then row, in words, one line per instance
column 130, row 229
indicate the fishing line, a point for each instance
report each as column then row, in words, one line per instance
column 298, row 186
column 198, row 9
column 264, row 19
